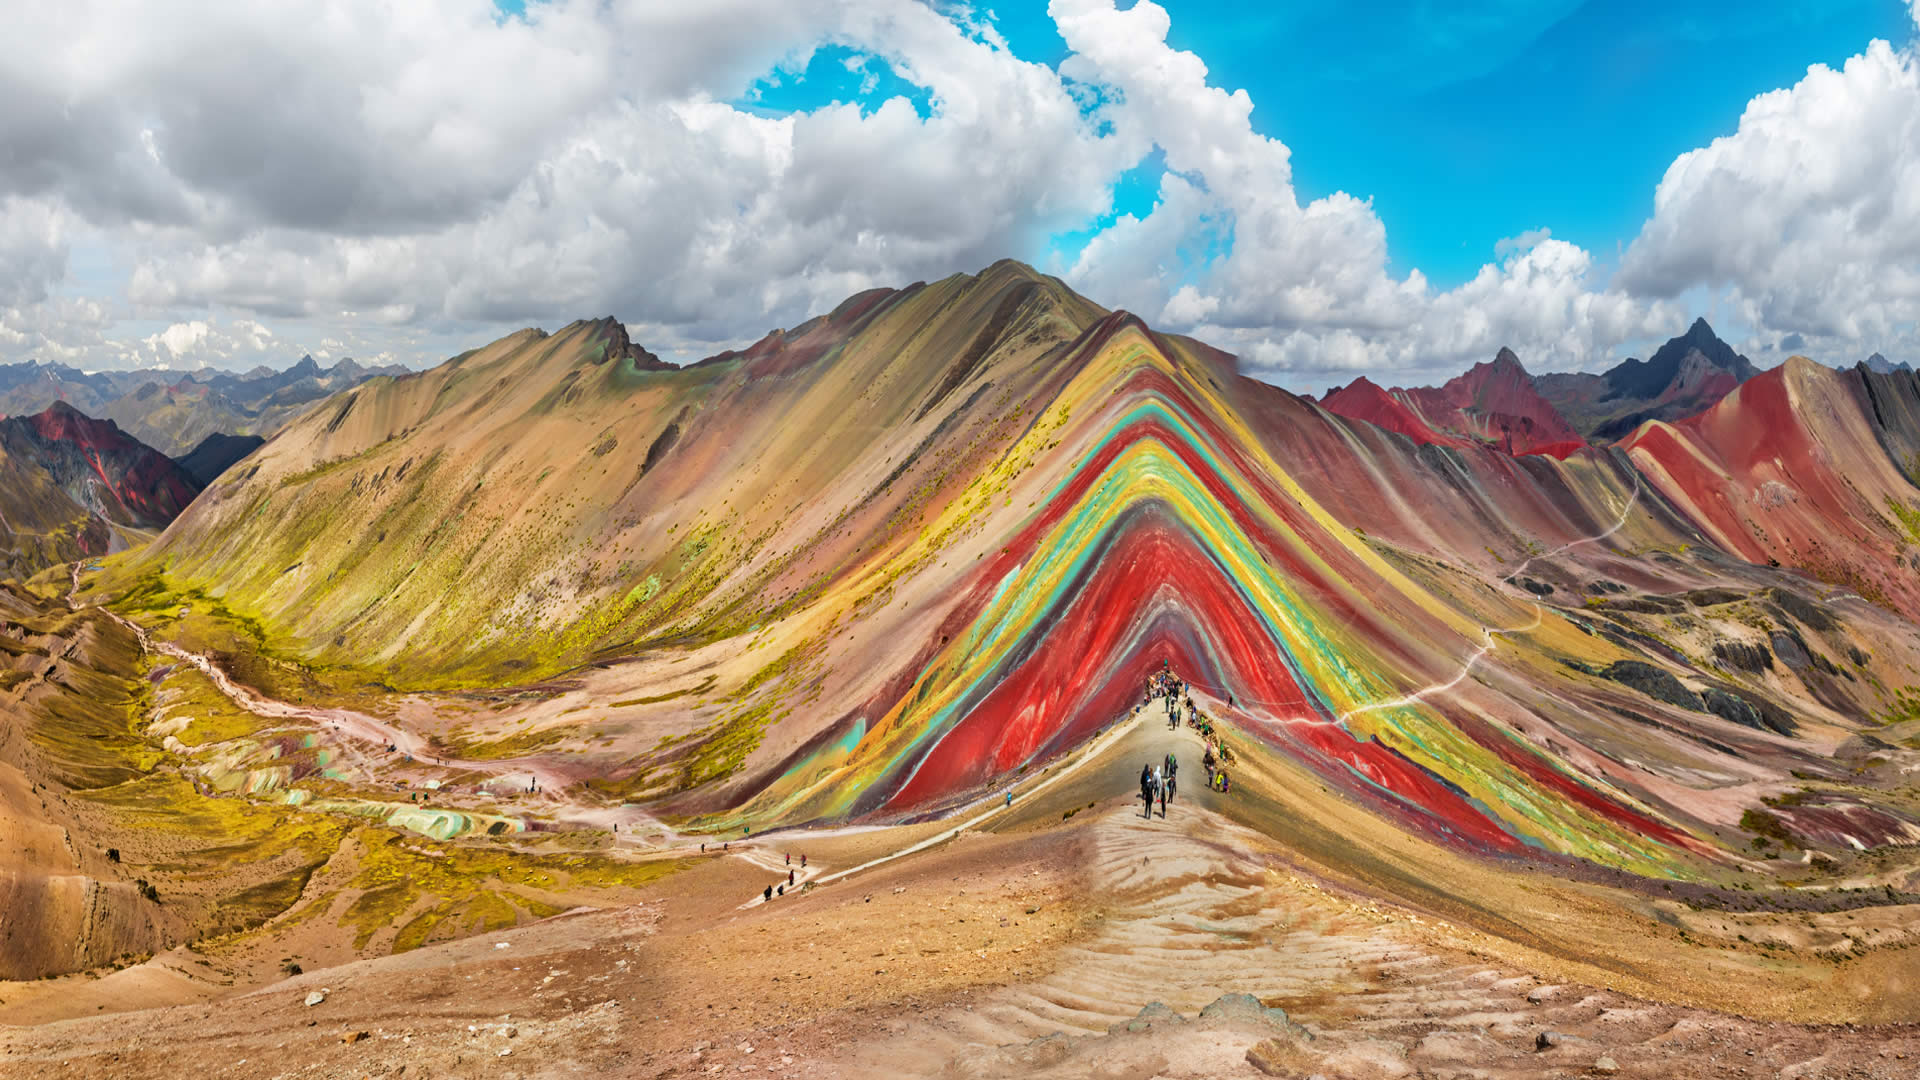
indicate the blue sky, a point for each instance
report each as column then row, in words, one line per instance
column 1466, row 122
column 404, row 183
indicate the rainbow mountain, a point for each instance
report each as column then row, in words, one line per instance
column 927, row 543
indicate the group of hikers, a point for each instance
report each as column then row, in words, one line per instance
column 781, row 890
column 1157, row 781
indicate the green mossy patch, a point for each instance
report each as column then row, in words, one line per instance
column 1908, row 517
column 465, row 888
column 1904, row 706
column 516, row 745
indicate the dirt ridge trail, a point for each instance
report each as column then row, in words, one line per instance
column 1061, row 932
column 1197, row 913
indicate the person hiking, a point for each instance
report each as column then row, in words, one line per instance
column 1146, row 787
column 1173, row 770
column 1160, row 789
column 768, row 895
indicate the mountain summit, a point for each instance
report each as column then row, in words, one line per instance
column 1684, row 377
column 1653, row 377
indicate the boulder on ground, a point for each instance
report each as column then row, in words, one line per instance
column 1154, row 1015
column 1247, row 1009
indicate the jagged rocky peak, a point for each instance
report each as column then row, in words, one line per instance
column 612, row 333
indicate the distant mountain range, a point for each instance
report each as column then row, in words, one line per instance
column 1499, row 404
column 173, row 411
column 73, row 483
column 1684, row 377
column 1492, row 403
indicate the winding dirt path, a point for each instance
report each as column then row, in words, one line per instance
column 356, row 727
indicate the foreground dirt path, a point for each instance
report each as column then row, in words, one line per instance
column 972, row 961
column 1364, row 991
column 1100, row 944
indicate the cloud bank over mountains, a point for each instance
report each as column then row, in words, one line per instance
column 223, row 184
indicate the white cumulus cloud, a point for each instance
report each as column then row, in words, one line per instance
column 438, row 165
column 1304, row 287
column 411, row 179
column 1808, row 214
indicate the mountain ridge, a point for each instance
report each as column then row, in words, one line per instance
column 171, row 410
column 941, row 534
column 72, row 486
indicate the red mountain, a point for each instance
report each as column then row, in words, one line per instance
column 103, row 469
column 1363, row 399
column 1492, row 403
column 1793, row 467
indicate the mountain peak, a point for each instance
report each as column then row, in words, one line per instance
column 61, row 422
column 1651, row 377
column 611, row 333
column 1505, row 358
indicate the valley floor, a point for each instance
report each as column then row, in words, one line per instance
column 1036, row 944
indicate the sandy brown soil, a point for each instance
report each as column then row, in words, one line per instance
column 1030, row 950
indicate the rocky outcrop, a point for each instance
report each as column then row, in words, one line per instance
column 1657, row 683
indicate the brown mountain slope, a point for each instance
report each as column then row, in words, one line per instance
column 520, row 508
